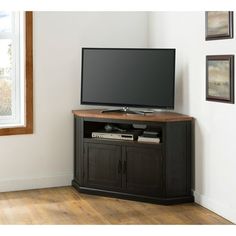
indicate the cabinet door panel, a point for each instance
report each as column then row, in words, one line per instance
column 78, row 150
column 178, row 159
column 143, row 170
column 103, row 166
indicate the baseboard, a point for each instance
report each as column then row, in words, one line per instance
column 223, row 210
column 131, row 196
column 16, row 184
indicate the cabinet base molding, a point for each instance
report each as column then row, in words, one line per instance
column 133, row 197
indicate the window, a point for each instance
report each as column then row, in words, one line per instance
column 16, row 73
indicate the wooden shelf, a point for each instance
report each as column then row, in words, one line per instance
column 120, row 142
column 156, row 117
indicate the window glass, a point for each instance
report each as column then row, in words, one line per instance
column 5, row 22
column 5, row 77
column 11, row 69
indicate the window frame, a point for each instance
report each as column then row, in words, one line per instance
column 27, row 128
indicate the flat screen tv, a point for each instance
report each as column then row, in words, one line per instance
column 128, row 77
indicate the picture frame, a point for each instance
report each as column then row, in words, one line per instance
column 219, row 25
column 220, row 78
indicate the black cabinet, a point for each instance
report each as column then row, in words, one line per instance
column 154, row 172
column 143, row 170
column 135, row 170
column 102, row 166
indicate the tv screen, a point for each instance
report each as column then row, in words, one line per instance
column 128, row 77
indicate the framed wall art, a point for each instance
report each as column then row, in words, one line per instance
column 219, row 25
column 220, row 78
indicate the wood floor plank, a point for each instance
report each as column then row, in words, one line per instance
column 65, row 205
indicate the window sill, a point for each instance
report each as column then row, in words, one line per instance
column 3, row 126
column 16, row 130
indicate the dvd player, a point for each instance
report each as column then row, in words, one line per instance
column 120, row 136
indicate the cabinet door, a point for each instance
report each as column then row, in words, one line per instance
column 103, row 166
column 142, row 170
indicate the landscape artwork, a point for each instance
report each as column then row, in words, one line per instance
column 219, row 25
column 219, row 78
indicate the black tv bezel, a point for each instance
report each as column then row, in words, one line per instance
column 119, row 104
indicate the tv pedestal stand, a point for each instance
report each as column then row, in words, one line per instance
column 127, row 110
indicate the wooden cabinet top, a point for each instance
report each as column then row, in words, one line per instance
column 157, row 116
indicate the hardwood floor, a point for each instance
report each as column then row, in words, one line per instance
column 66, row 206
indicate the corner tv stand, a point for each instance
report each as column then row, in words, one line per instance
column 144, row 171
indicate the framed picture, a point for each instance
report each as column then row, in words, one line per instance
column 220, row 78
column 219, row 25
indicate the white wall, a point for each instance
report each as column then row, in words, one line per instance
column 45, row 158
column 215, row 129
